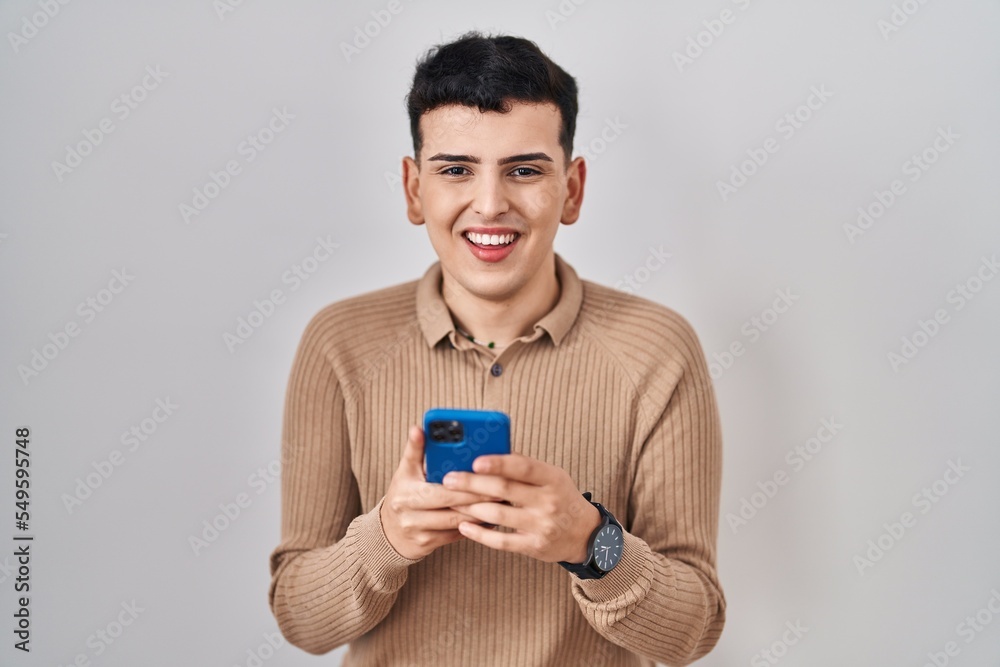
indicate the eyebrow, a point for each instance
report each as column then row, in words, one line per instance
column 525, row 157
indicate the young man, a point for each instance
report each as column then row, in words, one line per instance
column 607, row 393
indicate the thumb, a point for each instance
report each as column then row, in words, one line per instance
column 413, row 453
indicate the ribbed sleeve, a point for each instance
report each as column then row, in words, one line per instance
column 335, row 575
column 663, row 599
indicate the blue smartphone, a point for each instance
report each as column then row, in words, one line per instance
column 454, row 437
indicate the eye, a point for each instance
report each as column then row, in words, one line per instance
column 448, row 171
column 531, row 172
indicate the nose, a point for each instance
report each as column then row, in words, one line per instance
column 490, row 198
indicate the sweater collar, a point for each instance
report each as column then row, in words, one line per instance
column 436, row 322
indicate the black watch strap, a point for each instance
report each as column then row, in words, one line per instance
column 587, row 569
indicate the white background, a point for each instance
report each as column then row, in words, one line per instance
column 331, row 173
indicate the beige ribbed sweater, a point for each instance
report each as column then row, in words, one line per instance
column 611, row 387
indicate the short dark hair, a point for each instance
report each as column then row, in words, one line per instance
column 489, row 72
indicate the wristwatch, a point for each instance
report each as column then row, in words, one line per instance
column 604, row 549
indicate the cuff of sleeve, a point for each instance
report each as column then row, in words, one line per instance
column 630, row 579
column 379, row 556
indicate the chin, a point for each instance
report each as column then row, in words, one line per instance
column 489, row 282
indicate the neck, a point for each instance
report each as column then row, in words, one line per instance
column 502, row 320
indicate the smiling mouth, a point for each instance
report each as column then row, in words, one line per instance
column 491, row 241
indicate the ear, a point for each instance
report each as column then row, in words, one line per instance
column 576, row 177
column 411, row 190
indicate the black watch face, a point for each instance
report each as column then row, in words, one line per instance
column 608, row 547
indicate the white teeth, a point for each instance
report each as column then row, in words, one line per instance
column 483, row 239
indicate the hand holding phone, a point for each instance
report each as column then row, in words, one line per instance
column 417, row 516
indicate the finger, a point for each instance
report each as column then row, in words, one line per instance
column 472, row 519
column 436, row 520
column 435, row 496
column 442, row 537
column 517, row 467
column 413, row 452
column 461, row 508
column 449, row 536
column 468, row 517
column 494, row 539
column 492, row 486
column 500, row 515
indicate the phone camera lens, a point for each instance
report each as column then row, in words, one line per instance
column 439, row 431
